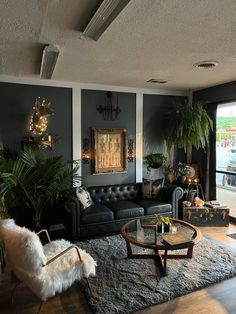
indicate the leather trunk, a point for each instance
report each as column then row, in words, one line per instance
column 206, row 216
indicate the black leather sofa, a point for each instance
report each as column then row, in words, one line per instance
column 114, row 205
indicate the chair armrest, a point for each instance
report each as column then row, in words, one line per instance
column 47, row 234
column 63, row 253
column 72, row 211
column 172, row 194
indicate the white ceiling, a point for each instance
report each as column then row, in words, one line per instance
column 159, row 39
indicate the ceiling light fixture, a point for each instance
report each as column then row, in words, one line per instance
column 103, row 17
column 157, row 81
column 49, row 59
column 206, row 64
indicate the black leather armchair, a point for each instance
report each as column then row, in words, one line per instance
column 114, row 205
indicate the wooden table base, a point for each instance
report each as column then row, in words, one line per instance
column 161, row 259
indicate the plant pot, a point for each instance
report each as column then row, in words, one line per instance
column 167, row 227
column 181, row 179
column 156, row 165
column 190, row 196
column 160, row 228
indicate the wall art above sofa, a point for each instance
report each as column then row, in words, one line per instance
column 109, row 150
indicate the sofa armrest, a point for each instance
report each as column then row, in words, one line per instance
column 172, row 194
column 72, row 215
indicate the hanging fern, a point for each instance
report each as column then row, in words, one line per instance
column 188, row 126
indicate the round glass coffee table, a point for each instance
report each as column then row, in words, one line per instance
column 143, row 233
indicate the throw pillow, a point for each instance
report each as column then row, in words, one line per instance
column 151, row 188
column 156, row 187
column 147, row 188
column 84, row 197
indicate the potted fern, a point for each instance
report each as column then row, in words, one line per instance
column 155, row 161
column 188, row 126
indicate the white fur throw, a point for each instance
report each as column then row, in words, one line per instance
column 27, row 257
column 24, row 248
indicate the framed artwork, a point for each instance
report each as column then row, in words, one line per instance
column 109, row 147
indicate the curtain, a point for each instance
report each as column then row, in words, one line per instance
column 206, row 159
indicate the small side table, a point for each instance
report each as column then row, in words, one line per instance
column 206, row 216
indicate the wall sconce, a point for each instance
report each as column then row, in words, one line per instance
column 85, row 151
column 108, row 110
column 38, row 125
column 44, row 143
column 130, row 150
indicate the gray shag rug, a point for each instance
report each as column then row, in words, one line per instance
column 124, row 285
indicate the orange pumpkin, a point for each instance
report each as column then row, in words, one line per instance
column 198, row 202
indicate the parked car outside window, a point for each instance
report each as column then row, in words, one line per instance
column 231, row 166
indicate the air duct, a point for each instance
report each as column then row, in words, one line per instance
column 49, row 59
column 103, row 17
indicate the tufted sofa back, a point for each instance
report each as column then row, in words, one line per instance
column 108, row 193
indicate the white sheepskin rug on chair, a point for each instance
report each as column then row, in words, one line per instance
column 28, row 259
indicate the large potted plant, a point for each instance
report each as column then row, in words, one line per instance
column 6, row 182
column 41, row 181
column 10, row 171
column 154, row 161
column 188, row 126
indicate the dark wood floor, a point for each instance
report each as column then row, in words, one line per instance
column 216, row 299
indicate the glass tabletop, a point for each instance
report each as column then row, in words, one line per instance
column 145, row 231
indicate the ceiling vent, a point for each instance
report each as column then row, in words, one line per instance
column 49, row 59
column 156, row 81
column 206, row 64
column 103, row 17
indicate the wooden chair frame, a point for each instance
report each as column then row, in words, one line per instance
column 59, row 255
column 72, row 247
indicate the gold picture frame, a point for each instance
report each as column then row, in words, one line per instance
column 109, row 150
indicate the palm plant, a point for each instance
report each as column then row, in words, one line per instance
column 187, row 126
column 41, row 180
column 7, row 182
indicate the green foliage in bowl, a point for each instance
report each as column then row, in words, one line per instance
column 155, row 160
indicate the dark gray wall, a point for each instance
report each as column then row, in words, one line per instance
column 16, row 107
column 154, row 109
column 217, row 94
column 91, row 118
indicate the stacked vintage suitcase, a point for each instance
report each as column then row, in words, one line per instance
column 211, row 214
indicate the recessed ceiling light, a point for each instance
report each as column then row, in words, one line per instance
column 206, row 64
column 157, row 81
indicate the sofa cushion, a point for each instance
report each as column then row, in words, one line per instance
column 125, row 209
column 154, row 207
column 96, row 213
